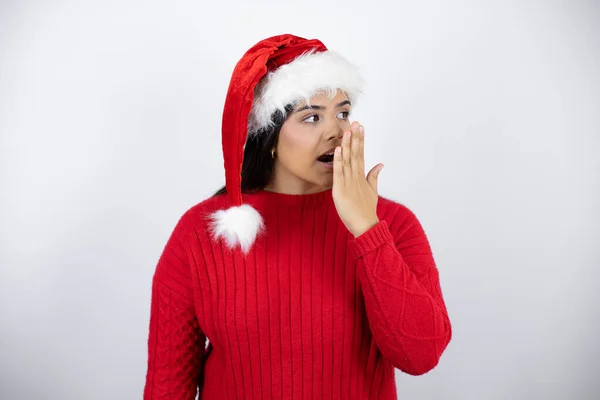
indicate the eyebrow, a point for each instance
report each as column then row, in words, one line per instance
column 316, row 107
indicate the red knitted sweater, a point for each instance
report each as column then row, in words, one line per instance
column 310, row 312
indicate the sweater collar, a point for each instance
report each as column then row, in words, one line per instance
column 292, row 200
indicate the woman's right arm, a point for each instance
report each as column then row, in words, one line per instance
column 175, row 341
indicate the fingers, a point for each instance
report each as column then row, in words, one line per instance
column 361, row 136
column 349, row 159
column 373, row 175
column 338, row 166
column 346, row 157
column 355, row 160
column 353, row 153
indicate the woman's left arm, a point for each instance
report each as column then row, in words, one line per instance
column 401, row 287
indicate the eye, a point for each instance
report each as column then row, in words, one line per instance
column 307, row 119
column 347, row 114
column 311, row 116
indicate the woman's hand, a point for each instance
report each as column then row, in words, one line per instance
column 355, row 196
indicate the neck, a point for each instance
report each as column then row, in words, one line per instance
column 278, row 200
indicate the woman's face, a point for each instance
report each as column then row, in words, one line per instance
column 308, row 133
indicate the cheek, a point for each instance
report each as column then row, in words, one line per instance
column 301, row 150
column 346, row 125
column 298, row 146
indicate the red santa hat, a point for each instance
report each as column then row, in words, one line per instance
column 275, row 72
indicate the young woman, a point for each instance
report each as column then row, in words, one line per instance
column 305, row 281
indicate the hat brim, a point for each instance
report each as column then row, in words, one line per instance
column 308, row 74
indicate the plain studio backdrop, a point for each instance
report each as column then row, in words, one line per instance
column 485, row 114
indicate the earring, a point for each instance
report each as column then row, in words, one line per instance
column 273, row 153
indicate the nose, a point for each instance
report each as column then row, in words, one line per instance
column 336, row 131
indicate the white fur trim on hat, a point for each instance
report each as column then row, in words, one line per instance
column 300, row 79
column 237, row 225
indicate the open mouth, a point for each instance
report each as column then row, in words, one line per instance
column 327, row 157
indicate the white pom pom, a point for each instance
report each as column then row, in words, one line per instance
column 237, row 225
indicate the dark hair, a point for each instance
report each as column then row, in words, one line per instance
column 257, row 166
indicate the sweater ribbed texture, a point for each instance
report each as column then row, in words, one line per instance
column 309, row 313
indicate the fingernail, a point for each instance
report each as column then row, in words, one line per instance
column 362, row 129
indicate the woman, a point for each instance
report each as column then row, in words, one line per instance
column 304, row 280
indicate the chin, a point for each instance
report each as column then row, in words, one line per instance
column 326, row 181
column 322, row 182
column 318, row 178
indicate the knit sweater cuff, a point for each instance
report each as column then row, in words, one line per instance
column 371, row 239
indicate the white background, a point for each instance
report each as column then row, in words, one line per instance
column 485, row 114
